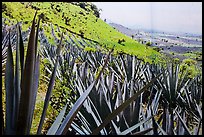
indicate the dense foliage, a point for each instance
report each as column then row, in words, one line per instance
column 160, row 109
column 96, row 91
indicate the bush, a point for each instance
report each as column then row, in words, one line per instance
column 81, row 33
column 189, row 62
column 3, row 7
column 96, row 10
column 157, row 49
column 120, row 41
column 199, row 58
column 82, row 5
column 176, row 60
column 148, row 43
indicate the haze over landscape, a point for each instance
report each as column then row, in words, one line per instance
column 178, row 17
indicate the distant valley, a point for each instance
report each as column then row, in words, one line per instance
column 180, row 46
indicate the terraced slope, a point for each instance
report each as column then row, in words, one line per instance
column 80, row 21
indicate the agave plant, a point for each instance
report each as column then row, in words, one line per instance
column 19, row 87
column 175, row 103
column 21, row 84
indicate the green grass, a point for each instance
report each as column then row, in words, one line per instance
column 193, row 55
column 93, row 28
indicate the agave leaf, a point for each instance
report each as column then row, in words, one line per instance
column 129, row 67
column 123, row 66
column 154, row 125
column 85, row 130
column 84, row 119
column 36, row 37
column 182, row 79
column 47, row 97
column 95, row 114
column 71, row 115
column 118, row 69
column 148, row 124
column 35, row 87
column 2, row 121
column 198, row 109
column 176, row 78
column 107, row 93
column 17, row 82
column 78, row 129
column 171, row 84
column 156, row 103
column 198, row 127
column 183, row 123
column 50, row 87
column 111, row 84
column 21, row 48
column 27, row 83
column 143, row 132
column 163, row 132
column 57, row 122
column 180, row 128
column 123, row 106
column 9, row 86
column 165, row 118
column 135, row 126
column 117, row 129
column 132, row 108
column 137, row 68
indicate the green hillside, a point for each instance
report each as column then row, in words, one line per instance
column 80, row 18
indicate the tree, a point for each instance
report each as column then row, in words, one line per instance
column 148, row 43
column 82, row 5
column 132, row 36
column 96, row 10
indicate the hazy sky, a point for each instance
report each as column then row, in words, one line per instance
column 164, row 16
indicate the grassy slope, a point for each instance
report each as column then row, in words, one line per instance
column 92, row 27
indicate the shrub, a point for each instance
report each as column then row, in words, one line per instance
column 176, row 60
column 96, row 10
column 82, row 5
column 157, row 49
column 81, row 33
column 3, row 8
column 120, row 41
column 189, row 62
column 148, row 43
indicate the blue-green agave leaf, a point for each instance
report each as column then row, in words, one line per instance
column 9, row 86
column 57, row 122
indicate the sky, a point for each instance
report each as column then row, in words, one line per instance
column 184, row 17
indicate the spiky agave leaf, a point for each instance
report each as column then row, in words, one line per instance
column 49, row 90
column 9, row 86
column 56, row 124
column 27, row 83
